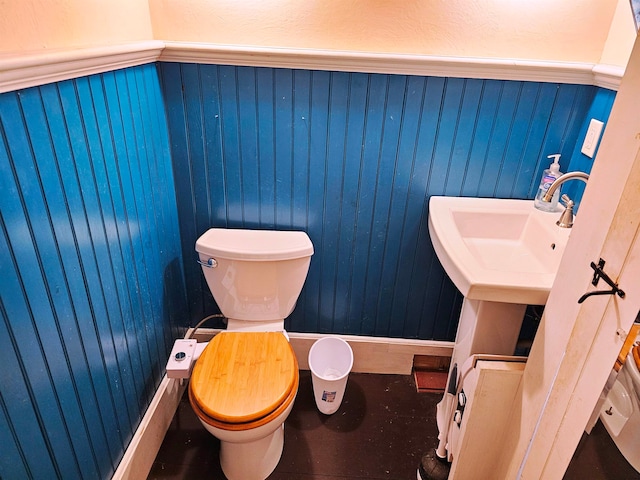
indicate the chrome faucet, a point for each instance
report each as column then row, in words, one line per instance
column 566, row 219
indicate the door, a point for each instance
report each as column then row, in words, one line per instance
column 576, row 344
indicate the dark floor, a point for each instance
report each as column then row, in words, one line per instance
column 598, row 458
column 381, row 431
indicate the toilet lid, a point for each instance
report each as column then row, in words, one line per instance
column 243, row 376
column 636, row 355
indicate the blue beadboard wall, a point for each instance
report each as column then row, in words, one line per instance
column 599, row 109
column 98, row 267
column 92, row 291
column 352, row 159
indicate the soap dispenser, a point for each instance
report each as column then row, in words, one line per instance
column 548, row 177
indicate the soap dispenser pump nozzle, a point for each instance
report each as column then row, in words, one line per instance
column 555, row 166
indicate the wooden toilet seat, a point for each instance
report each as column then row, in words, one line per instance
column 244, row 380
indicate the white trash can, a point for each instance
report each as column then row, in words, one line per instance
column 330, row 361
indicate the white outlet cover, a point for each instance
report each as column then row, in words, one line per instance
column 592, row 137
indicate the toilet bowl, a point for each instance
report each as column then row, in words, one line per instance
column 244, row 383
column 243, row 406
column 620, row 413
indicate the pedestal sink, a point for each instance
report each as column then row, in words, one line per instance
column 496, row 249
column 502, row 255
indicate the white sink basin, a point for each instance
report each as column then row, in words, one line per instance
column 497, row 250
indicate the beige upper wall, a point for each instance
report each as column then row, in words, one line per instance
column 591, row 31
column 621, row 37
column 566, row 31
column 37, row 25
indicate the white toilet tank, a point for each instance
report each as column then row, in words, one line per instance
column 255, row 275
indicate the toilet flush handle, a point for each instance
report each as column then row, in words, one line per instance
column 211, row 263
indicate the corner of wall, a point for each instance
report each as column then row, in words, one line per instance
column 622, row 35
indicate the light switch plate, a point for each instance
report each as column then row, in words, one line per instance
column 592, row 138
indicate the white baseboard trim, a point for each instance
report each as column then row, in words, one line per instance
column 27, row 69
column 371, row 355
column 145, row 444
column 375, row 355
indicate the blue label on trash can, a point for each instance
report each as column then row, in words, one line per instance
column 328, row 396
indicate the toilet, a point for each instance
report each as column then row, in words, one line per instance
column 620, row 413
column 244, row 383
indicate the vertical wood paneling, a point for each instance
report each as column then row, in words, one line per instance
column 91, row 290
column 599, row 109
column 93, row 285
column 350, row 193
column 353, row 159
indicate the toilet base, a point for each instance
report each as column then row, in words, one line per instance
column 628, row 439
column 620, row 416
column 251, row 454
column 252, row 460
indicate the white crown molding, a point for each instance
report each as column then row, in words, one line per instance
column 425, row 65
column 607, row 76
column 30, row 69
